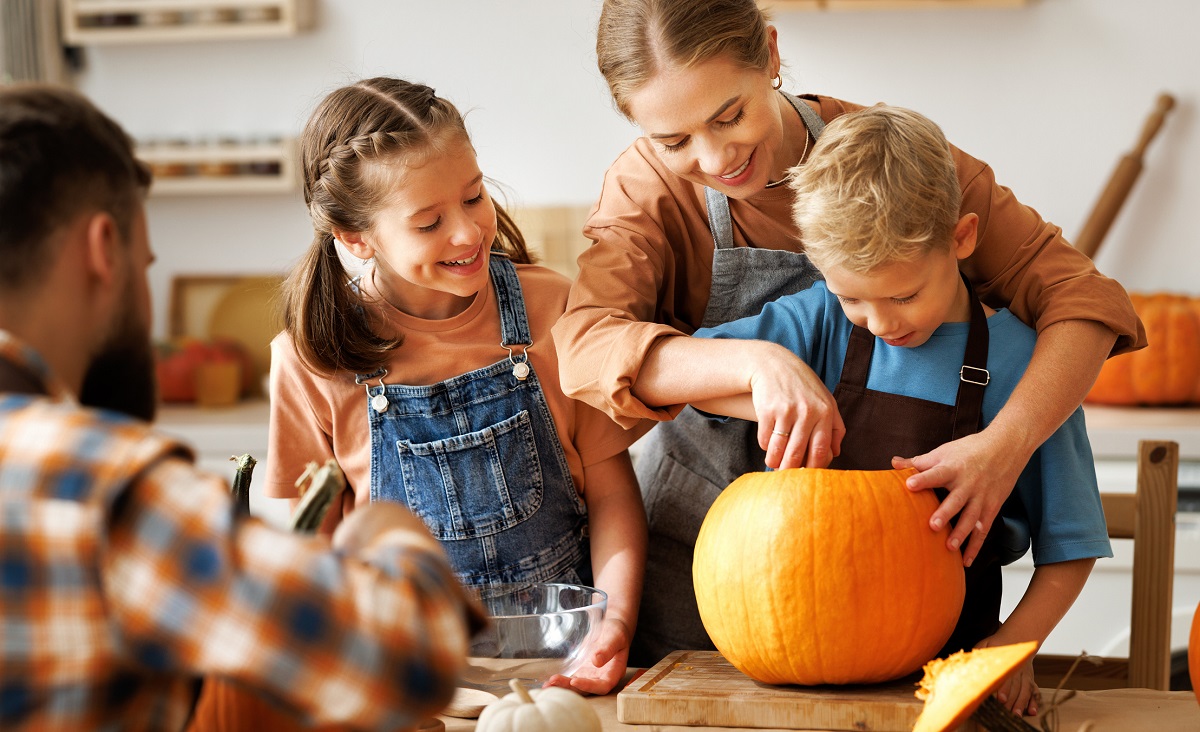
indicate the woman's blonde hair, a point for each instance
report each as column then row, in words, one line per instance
column 638, row 38
column 353, row 129
column 880, row 186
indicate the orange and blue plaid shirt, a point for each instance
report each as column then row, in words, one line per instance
column 125, row 576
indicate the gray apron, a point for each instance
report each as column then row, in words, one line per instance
column 685, row 463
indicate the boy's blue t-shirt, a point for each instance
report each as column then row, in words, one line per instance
column 1055, row 506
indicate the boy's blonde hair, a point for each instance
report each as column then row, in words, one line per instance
column 879, row 187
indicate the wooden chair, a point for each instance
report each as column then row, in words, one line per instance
column 1147, row 517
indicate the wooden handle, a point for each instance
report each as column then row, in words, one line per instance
column 1153, row 123
column 1104, row 211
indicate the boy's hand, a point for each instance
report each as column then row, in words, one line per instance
column 607, row 664
column 979, row 472
column 1019, row 693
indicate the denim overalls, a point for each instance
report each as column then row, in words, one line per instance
column 478, row 459
column 685, row 463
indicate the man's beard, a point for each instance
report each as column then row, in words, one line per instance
column 121, row 376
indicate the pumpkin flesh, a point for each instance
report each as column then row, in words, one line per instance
column 953, row 687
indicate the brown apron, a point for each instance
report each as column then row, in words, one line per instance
column 881, row 425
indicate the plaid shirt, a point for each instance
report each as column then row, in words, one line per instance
column 124, row 577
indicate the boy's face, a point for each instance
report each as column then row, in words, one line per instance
column 904, row 302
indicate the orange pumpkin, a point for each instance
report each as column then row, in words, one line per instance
column 1194, row 654
column 808, row 576
column 1165, row 372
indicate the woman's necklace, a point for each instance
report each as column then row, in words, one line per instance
column 791, row 171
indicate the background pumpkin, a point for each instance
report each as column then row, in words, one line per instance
column 1194, row 654
column 1165, row 372
column 810, row 576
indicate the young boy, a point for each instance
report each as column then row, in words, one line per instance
column 878, row 209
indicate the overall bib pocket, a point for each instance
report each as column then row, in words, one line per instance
column 491, row 479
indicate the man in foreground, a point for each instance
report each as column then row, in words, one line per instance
column 124, row 574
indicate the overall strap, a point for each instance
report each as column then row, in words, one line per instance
column 973, row 376
column 720, row 222
column 514, row 325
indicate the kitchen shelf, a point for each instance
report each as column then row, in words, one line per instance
column 95, row 22
column 221, row 169
column 887, row 4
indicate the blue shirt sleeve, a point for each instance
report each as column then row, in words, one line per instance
column 799, row 322
column 1055, row 507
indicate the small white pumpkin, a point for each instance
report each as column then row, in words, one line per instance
column 542, row 710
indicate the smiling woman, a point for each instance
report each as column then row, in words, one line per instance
column 691, row 230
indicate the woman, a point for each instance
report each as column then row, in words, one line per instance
column 693, row 228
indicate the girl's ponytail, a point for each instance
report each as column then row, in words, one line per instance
column 324, row 315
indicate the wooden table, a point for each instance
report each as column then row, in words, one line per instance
column 1115, row 710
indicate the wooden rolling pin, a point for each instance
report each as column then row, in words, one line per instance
column 1120, row 182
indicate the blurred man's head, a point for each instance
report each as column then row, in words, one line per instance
column 64, row 163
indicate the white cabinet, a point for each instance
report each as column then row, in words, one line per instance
column 1098, row 622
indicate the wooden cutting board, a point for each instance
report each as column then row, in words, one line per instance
column 701, row 688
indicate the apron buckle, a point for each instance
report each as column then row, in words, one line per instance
column 977, row 375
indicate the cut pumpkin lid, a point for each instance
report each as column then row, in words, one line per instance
column 955, row 686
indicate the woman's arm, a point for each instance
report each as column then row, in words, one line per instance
column 1051, row 592
column 617, row 524
column 798, row 420
column 980, row 470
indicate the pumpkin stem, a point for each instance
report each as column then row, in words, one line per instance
column 994, row 716
column 520, row 691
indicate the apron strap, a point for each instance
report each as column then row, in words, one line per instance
column 812, row 120
column 720, row 222
column 973, row 376
column 514, row 325
column 858, row 357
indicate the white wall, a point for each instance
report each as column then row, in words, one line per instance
column 1050, row 94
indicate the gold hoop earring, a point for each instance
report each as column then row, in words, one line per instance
column 777, row 82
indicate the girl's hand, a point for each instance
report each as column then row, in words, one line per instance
column 1019, row 693
column 798, row 420
column 607, row 664
column 980, row 472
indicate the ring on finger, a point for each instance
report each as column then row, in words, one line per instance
column 781, row 434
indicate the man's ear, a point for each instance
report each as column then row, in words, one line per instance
column 355, row 243
column 965, row 233
column 102, row 248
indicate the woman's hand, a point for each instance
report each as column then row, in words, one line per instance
column 606, row 666
column 798, row 420
column 979, row 471
column 1019, row 693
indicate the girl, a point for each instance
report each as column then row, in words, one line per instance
column 693, row 228
column 432, row 377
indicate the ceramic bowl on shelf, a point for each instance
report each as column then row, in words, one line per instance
column 537, row 630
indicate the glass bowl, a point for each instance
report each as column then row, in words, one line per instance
column 536, row 630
